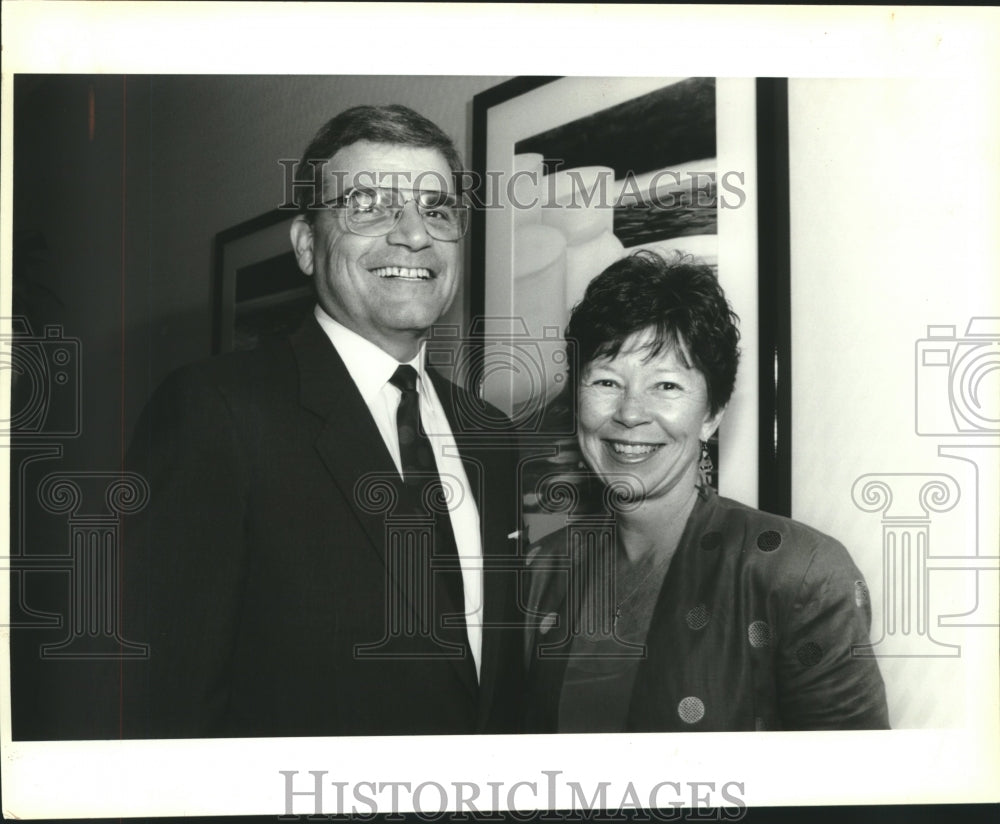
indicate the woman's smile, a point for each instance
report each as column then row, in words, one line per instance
column 632, row 452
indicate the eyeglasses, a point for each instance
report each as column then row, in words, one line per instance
column 376, row 211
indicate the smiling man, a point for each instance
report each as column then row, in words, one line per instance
column 315, row 557
column 385, row 258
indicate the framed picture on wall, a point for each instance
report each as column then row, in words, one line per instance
column 260, row 292
column 575, row 173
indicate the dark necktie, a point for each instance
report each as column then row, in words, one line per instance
column 415, row 450
column 420, row 470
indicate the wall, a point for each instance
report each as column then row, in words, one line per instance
column 894, row 203
column 86, row 200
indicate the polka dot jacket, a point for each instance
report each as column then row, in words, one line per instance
column 761, row 624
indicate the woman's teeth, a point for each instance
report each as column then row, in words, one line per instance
column 633, row 449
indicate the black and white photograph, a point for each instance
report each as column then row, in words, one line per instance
column 669, row 406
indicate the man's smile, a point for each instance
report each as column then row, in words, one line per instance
column 403, row 272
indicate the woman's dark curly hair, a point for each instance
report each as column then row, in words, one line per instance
column 677, row 300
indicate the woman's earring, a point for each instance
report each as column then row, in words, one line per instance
column 705, row 466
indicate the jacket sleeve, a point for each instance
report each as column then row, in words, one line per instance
column 184, row 561
column 825, row 680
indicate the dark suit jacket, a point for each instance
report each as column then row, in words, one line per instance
column 254, row 574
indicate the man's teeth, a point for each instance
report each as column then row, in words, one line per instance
column 402, row 272
column 634, row 448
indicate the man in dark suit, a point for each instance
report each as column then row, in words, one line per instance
column 285, row 575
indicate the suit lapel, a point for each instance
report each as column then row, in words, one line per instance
column 350, row 445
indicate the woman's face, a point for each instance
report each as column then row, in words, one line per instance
column 642, row 419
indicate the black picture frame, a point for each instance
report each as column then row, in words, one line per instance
column 259, row 291
column 773, row 304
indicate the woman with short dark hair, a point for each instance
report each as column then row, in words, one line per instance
column 682, row 610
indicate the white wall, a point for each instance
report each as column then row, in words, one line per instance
column 894, row 209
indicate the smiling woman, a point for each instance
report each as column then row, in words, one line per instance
column 645, row 415
column 678, row 609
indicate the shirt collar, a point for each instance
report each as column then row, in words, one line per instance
column 369, row 366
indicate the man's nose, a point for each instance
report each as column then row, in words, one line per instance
column 631, row 410
column 410, row 230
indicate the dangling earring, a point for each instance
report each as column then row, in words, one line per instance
column 705, row 467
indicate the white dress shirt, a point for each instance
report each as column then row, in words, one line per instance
column 371, row 368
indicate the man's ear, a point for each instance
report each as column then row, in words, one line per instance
column 712, row 423
column 301, row 234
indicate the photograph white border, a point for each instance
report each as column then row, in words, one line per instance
column 70, row 779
